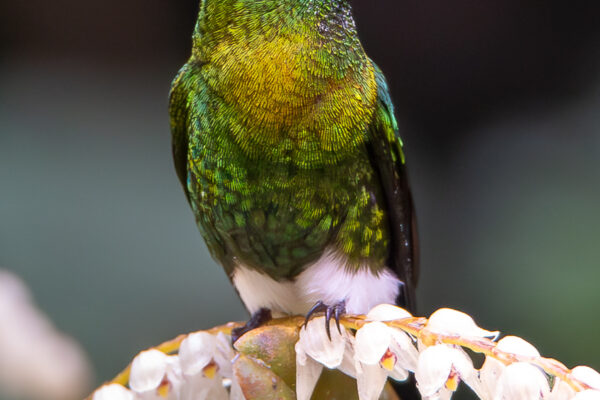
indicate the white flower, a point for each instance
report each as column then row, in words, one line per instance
column 391, row 349
column 446, row 321
column 587, row 375
column 148, row 370
column 522, row 381
column 387, row 312
column 492, row 369
column 205, row 359
column 113, row 392
column 315, row 350
column 155, row 375
column 372, row 343
column 315, row 343
column 381, row 351
column 441, row 367
column 196, row 352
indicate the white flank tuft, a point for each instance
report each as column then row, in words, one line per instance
column 328, row 280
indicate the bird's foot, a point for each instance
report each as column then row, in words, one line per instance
column 257, row 319
column 335, row 311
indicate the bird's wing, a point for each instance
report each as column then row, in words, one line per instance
column 179, row 115
column 387, row 158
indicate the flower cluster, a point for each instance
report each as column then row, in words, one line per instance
column 387, row 343
column 201, row 370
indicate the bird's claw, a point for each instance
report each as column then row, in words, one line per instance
column 258, row 318
column 335, row 311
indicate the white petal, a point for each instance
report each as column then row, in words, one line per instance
column 387, row 312
column 174, row 375
column 447, row 321
column 587, row 375
column 348, row 363
column 398, row 373
column 588, row 395
column 218, row 391
column 522, row 381
column 196, row 351
column 307, row 374
column 370, row 380
column 195, row 387
column 372, row 341
column 148, row 370
column 489, row 374
column 112, row 392
column 199, row 387
column 224, row 355
column 463, row 365
column 561, row 391
column 435, row 364
column 405, row 350
column 433, row 368
column 516, row 345
column 314, row 342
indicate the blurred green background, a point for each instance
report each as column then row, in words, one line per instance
column 499, row 103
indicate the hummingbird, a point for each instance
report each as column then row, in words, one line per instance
column 287, row 147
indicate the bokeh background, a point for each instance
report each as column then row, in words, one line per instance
column 499, row 103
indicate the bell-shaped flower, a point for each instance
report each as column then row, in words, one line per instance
column 522, row 381
column 196, row 352
column 315, row 343
column 113, row 392
column 440, row 369
column 587, row 375
column 314, row 350
column 447, row 321
column 492, row 369
column 148, row 370
column 401, row 354
column 203, row 359
column 385, row 350
column 155, row 375
column 372, row 344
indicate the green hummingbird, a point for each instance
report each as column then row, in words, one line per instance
column 286, row 143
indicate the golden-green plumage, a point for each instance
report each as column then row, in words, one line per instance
column 283, row 132
column 294, row 93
